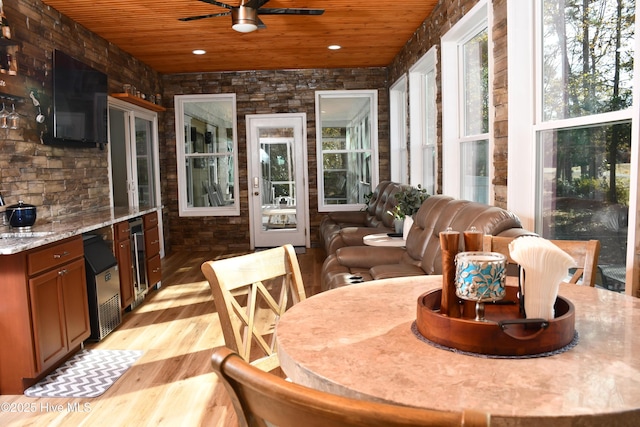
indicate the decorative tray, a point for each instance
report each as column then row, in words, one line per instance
column 504, row 332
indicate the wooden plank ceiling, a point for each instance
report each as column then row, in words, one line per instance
column 370, row 32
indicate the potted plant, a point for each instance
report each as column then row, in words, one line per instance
column 408, row 202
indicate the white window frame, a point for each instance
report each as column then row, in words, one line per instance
column 525, row 123
column 373, row 123
column 423, row 114
column 479, row 17
column 183, row 206
column 399, row 153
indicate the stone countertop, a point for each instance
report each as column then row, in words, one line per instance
column 63, row 227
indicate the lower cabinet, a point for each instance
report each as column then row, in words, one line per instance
column 59, row 312
column 44, row 301
column 122, row 243
column 152, row 249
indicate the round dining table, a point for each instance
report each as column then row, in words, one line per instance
column 358, row 341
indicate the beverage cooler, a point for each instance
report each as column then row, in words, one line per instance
column 103, row 287
column 140, row 282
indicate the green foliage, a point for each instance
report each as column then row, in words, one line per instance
column 408, row 201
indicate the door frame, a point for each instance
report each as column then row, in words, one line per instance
column 302, row 203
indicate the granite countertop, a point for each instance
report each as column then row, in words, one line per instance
column 64, row 227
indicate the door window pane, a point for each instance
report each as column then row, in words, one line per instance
column 278, row 178
column 587, row 62
column 144, row 162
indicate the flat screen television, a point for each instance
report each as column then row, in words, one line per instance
column 79, row 103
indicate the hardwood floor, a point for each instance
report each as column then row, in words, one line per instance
column 172, row 383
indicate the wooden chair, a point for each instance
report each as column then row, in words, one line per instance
column 261, row 399
column 585, row 253
column 250, row 293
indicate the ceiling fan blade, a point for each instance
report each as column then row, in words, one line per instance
column 289, row 11
column 217, row 3
column 259, row 23
column 254, row 4
column 211, row 15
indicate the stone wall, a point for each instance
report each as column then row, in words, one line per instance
column 259, row 92
column 58, row 180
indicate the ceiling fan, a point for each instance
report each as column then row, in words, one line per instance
column 244, row 18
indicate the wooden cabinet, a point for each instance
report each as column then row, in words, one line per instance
column 152, row 248
column 122, row 249
column 59, row 312
column 45, row 309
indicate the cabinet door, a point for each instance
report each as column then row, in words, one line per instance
column 154, row 270
column 151, row 242
column 48, row 320
column 125, row 268
column 76, row 305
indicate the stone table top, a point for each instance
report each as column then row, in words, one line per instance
column 357, row 341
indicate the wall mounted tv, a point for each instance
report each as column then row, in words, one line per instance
column 79, row 103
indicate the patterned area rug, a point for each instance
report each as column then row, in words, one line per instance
column 89, row 373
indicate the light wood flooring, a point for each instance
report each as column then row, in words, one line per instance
column 172, row 383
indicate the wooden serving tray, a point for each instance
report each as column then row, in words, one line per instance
column 504, row 333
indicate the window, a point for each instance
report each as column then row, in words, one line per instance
column 580, row 128
column 398, row 124
column 466, row 126
column 347, row 148
column 422, row 81
column 206, row 149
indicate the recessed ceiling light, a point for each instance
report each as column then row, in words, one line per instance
column 335, row 47
column 199, row 51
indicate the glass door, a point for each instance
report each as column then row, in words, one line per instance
column 277, row 171
column 133, row 151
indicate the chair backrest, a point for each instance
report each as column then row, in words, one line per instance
column 585, row 254
column 262, row 399
column 250, row 293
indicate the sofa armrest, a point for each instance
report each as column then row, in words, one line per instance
column 367, row 256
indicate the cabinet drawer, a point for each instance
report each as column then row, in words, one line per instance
column 154, row 269
column 151, row 242
column 54, row 255
column 121, row 231
column 150, row 220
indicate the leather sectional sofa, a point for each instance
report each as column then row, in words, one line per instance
column 347, row 228
column 421, row 255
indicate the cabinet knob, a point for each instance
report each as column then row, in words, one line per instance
column 58, row 256
column 62, row 272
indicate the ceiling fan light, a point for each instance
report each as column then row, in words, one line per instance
column 243, row 19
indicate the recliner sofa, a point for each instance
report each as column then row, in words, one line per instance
column 347, row 228
column 421, row 255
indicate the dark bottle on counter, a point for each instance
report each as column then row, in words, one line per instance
column 4, row 60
